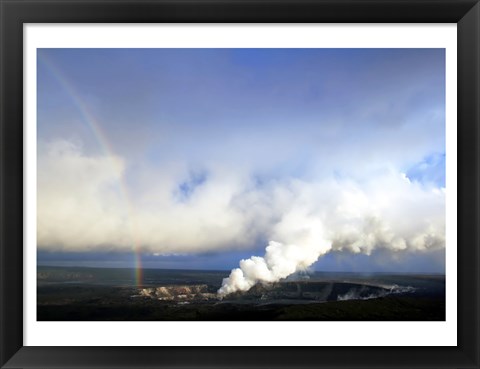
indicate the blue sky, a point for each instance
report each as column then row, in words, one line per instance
column 200, row 157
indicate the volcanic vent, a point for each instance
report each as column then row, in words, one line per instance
column 278, row 292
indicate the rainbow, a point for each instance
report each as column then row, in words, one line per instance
column 106, row 147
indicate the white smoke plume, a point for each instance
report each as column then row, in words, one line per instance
column 86, row 209
column 393, row 213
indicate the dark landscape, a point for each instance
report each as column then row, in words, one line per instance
column 102, row 294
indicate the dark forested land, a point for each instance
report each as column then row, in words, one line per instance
column 88, row 294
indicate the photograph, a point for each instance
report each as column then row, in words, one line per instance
column 241, row 184
column 280, row 184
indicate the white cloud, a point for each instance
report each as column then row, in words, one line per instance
column 79, row 200
column 82, row 205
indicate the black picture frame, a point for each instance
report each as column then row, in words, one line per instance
column 15, row 13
